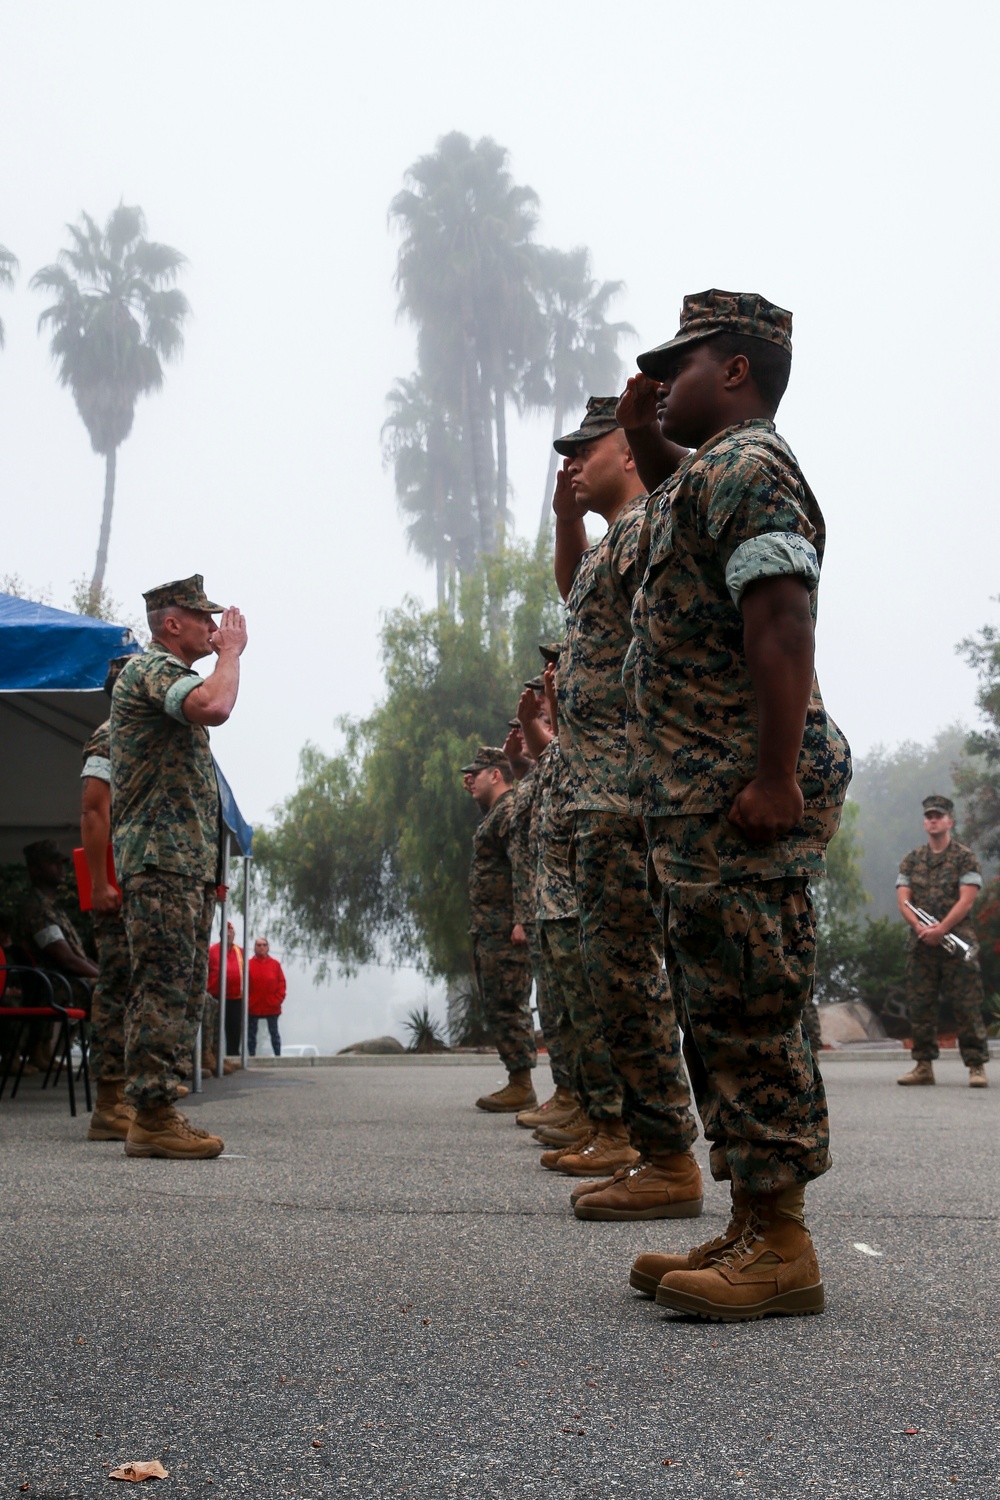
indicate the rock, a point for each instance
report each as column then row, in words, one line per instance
column 375, row 1045
column 849, row 1021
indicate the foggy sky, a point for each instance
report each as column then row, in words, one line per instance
column 838, row 159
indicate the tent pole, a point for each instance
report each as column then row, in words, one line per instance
column 246, row 960
column 223, row 957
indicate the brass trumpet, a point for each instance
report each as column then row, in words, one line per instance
column 950, row 943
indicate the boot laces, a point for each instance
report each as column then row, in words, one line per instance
column 744, row 1247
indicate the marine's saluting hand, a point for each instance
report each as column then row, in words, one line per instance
column 637, row 403
column 230, row 633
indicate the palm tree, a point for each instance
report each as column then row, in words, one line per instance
column 117, row 314
column 8, row 270
column 580, row 357
column 465, row 275
column 419, row 440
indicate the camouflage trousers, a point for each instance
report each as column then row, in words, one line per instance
column 503, row 974
column 107, row 1013
column 933, row 975
column 579, row 1020
column 621, row 946
column 741, row 955
column 559, row 1042
column 811, row 1026
column 169, row 920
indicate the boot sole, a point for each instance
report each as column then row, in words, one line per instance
column 589, row 1170
column 501, row 1109
column 645, row 1284
column 689, row 1210
column 801, row 1303
column 164, row 1152
column 105, row 1133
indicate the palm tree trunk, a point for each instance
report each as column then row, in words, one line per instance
column 500, row 402
column 475, row 435
column 550, row 478
column 97, row 582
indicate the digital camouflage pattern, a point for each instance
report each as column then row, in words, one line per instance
column 620, row 943
column 110, row 999
column 107, row 1012
column 522, row 852
column 502, row 968
column 600, row 419
column 580, row 1025
column 811, row 1027
column 559, row 1042
column 590, row 695
column 935, row 881
column 168, row 918
column 740, row 952
column 933, row 975
column 41, row 921
column 164, row 796
column 491, row 880
column 704, row 314
column 551, row 840
column 503, row 975
column 736, row 511
column 183, row 593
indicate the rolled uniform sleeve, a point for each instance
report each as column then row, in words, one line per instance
column 173, row 700
column 777, row 554
column 759, row 523
column 98, row 767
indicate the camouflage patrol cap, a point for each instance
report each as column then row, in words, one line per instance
column 537, row 683
column 487, row 757
column 706, row 313
column 183, row 593
column 549, row 652
column 43, row 852
column 599, row 420
column 513, row 723
column 938, row 804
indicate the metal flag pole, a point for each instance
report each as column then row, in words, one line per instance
column 246, row 961
column 223, row 955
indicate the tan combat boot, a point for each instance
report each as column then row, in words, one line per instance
column 554, row 1111
column 582, row 1189
column 516, row 1094
column 551, row 1159
column 164, row 1131
column 649, row 1270
column 209, row 1062
column 667, row 1189
column 977, row 1077
column 112, row 1116
column 770, row 1270
column 606, row 1151
column 921, row 1072
column 572, row 1130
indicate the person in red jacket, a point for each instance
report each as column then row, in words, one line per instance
column 234, row 989
column 267, row 993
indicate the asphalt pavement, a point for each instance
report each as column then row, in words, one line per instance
column 377, row 1291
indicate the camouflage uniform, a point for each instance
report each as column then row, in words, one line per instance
column 738, row 919
column 934, row 974
column 593, row 1078
column 620, row 937
column 502, row 968
column 523, row 861
column 165, row 825
column 107, row 1015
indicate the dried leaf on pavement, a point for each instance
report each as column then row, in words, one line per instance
column 137, row 1471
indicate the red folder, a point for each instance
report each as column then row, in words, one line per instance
column 82, row 870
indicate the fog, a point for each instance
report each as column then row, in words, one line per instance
column 838, row 159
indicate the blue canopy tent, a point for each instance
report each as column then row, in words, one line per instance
column 52, row 670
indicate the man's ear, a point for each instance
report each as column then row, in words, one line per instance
column 736, row 372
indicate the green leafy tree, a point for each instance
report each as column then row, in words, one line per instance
column 117, row 315
column 979, row 779
column 369, row 857
column 8, row 270
column 465, row 275
column 580, row 356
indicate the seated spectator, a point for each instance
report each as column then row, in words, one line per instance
column 267, row 994
column 48, row 935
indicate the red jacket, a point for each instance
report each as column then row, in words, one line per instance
column 234, row 972
column 267, row 986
